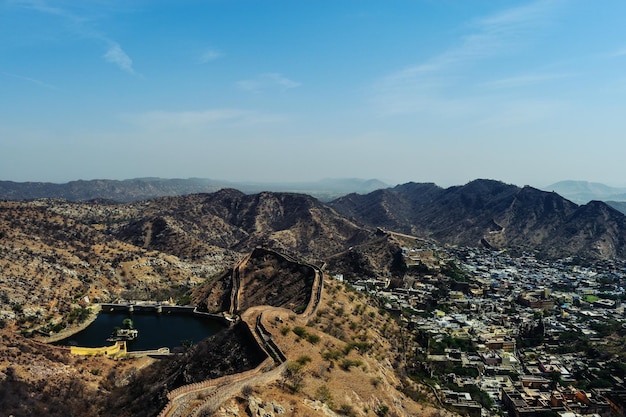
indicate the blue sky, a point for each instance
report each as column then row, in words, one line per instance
column 444, row 91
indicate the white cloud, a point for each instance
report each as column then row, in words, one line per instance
column 30, row 80
column 524, row 80
column 77, row 22
column 200, row 119
column 489, row 36
column 618, row 53
column 116, row 55
column 432, row 83
column 267, row 81
column 209, row 55
column 45, row 7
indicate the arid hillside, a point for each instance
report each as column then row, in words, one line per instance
column 54, row 263
column 344, row 357
column 192, row 226
column 57, row 257
column 493, row 214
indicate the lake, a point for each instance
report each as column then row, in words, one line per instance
column 155, row 330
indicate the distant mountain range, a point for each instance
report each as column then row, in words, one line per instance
column 55, row 254
column 147, row 188
column 582, row 192
column 484, row 213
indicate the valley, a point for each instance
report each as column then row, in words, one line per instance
column 470, row 300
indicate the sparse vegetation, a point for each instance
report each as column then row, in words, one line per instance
column 382, row 410
column 304, row 359
column 153, row 251
column 347, row 410
column 376, row 381
column 293, row 377
column 324, row 395
column 247, row 391
column 300, row 331
column 346, row 364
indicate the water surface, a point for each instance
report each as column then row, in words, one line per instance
column 155, row 330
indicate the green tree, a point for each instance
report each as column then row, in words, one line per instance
column 324, row 395
column 293, row 378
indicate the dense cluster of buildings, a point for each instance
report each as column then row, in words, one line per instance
column 514, row 334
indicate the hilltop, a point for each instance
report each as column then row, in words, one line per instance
column 147, row 188
column 55, row 254
column 58, row 258
column 493, row 214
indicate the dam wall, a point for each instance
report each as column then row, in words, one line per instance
column 154, row 307
column 117, row 349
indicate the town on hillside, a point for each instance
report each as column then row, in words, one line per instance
column 491, row 333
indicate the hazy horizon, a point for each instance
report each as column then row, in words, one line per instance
column 524, row 92
column 319, row 181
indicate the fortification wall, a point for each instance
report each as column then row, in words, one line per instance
column 187, row 393
column 213, row 401
column 266, row 337
column 316, row 293
column 212, row 393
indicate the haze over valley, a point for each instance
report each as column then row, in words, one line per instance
column 327, row 209
column 60, row 259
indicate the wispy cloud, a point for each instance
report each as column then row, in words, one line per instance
column 209, row 55
column 199, row 119
column 524, row 80
column 514, row 113
column 430, row 83
column 45, row 7
column 116, row 55
column 30, row 80
column 81, row 25
column 267, row 81
column 189, row 118
column 619, row 53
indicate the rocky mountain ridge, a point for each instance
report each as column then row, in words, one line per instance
column 56, row 257
column 147, row 188
column 493, row 214
column 482, row 212
column 54, row 253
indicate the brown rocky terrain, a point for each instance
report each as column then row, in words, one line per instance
column 493, row 214
column 57, row 258
column 193, row 226
column 330, row 353
column 379, row 256
column 346, row 360
column 53, row 264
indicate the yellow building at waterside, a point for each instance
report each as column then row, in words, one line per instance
column 118, row 349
